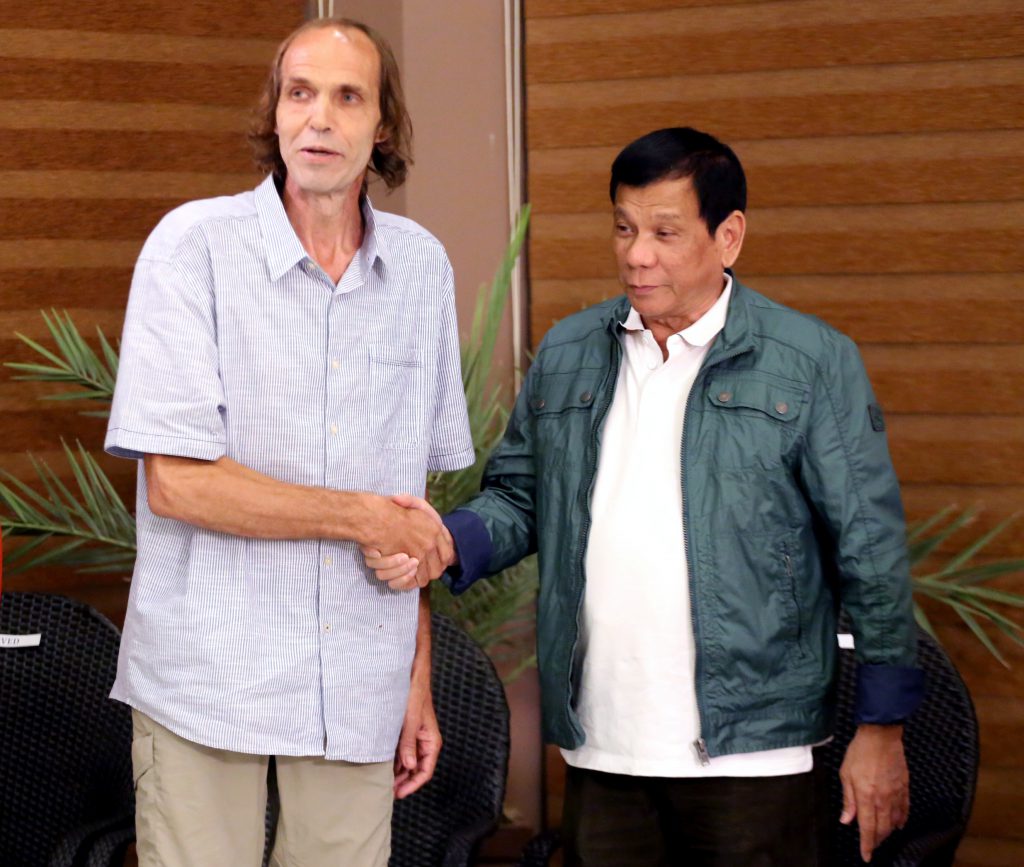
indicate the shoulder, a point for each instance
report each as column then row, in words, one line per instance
column 405, row 233
column 186, row 219
column 580, row 341
column 587, row 324
column 788, row 327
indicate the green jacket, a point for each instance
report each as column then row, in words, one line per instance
column 790, row 506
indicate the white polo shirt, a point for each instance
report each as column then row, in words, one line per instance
column 636, row 698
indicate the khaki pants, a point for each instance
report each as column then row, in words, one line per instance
column 202, row 807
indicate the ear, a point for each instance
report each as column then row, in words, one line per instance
column 381, row 136
column 729, row 237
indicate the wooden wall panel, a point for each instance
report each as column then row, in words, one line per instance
column 884, row 147
column 111, row 114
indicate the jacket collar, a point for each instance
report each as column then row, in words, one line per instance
column 735, row 337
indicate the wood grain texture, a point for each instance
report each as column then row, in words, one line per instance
column 102, row 113
column 844, row 170
column 53, row 45
column 573, row 8
column 871, row 239
column 228, row 19
column 850, row 100
column 870, row 308
column 128, row 152
column 787, row 35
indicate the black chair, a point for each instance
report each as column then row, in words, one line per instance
column 443, row 824
column 941, row 744
column 66, row 797
column 66, row 794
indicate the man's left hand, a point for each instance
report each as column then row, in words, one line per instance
column 876, row 785
column 419, row 745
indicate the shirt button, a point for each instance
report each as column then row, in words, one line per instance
column 782, row 407
column 586, row 396
column 327, row 627
column 334, row 430
column 328, row 561
column 726, row 396
column 334, row 363
column 538, row 403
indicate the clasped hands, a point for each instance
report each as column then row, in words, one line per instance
column 413, row 546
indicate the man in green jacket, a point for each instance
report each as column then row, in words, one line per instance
column 705, row 476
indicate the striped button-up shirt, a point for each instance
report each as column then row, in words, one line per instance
column 237, row 344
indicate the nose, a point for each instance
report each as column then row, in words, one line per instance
column 319, row 115
column 640, row 253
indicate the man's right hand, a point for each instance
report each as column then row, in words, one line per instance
column 415, row 546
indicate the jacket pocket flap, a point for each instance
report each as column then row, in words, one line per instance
column 556, row 392
column 778, row 401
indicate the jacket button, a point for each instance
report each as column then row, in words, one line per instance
column 538, row 403
column 586, row 396
column 782, row 407
column 725, row 396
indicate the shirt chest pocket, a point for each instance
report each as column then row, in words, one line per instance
column 751, row 423
column 397, row 397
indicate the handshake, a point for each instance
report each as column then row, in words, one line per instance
column 406, row 546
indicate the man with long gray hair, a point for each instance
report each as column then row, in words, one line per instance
column 289, row 374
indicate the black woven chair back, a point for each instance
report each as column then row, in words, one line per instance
column 941, row 743
column 65, row 748
column 442, row 824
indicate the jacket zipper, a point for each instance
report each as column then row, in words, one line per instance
column 578, row 584
column 699, row 745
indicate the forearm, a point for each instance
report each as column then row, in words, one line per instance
column 421, row 661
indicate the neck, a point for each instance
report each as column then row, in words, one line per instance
column 663, row 327
column 330, row 227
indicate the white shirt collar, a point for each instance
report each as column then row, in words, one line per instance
column 701, row 332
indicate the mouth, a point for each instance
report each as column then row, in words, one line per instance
column 319, row 152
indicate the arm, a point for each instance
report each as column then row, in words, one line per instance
column 495, row 529
column 228, row 497
column 420, row 741
column 850, row 482
column 876, row 784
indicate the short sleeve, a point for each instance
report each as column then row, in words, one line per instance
column 451, row 442
column 169, row 398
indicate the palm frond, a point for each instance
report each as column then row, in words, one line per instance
column 74, row 363
column 89, row 527
column 957, row 582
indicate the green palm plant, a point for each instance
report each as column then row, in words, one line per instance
column 88, row 526
column 960, row 583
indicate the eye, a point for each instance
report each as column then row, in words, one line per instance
column 350, row 98
column 665, row 233
column 621, row 229
column 297, row 93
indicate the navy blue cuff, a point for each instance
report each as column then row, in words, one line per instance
column 887, row 694
column 473, row 546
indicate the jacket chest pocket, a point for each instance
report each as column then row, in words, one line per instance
column 750, row 422
column 561, row 405
column 396, row 399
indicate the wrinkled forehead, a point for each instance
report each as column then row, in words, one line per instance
column 332, row 54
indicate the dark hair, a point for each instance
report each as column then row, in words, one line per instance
column 682, row 152
column 391, row 157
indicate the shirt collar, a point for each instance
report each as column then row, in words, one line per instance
column 701, row 332
column 285, row 250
